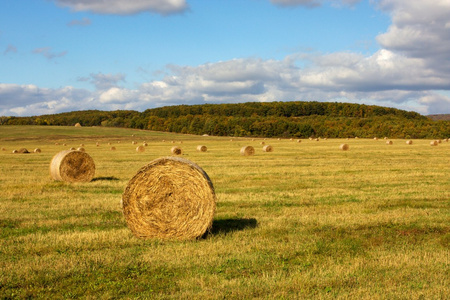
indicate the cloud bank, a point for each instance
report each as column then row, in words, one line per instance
column 411, row 71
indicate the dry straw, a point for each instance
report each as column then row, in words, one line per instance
column 263, row 143
column 202, row 148
column 268, row 148
column 78, row 125
column 247, row 150
column 22, row 150
column 112, row 148
column 176, row 150
column 434, row 143
column 140, row 149
column 170, row 198
column 344, row 147
column 37, row 150
column 81, row 149
column 389, row 142
column 72, row 166
column 409, row 142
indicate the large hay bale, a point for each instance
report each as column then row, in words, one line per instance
column 77, row 125
column 176, row 150
column 247, row 150
column 140, row 149
column 344, row 147
column 72, row 166
column 267, row 148
column 202, row 148
column 170, row 198
column 409, row 142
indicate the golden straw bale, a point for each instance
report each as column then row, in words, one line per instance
column 77, row 125
column 22, row 150
column 299, row 141
column 247, row 150
column 15, row 151
column 81, row 149
column 140, row 149
column 3, row 149
column 344, row 147
column 37, row 150
column 434, row 143
column 144, row 144
column 263, row 143
column 72, row 148
column 409, row 142
column 176, row 150
column 170, row 198
column 112, row 148
column 375, row 138
column 202, row 148
column 72, row 166
column 268, row 148
column 389, row 142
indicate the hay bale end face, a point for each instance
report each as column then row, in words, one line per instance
column 72, row 166
column 344, row 147
column 202, row 148
column 247, row 150
column 170, row 198
column 268, row 148
column 176, row 150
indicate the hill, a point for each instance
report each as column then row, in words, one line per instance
column 256, row 119
column 440, row 117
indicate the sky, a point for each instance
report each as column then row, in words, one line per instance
column 69, row 55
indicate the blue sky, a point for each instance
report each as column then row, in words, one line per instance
column 65, row 55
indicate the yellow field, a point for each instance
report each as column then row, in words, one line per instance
column 307, row 220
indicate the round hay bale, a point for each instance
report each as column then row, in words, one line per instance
column 3, row 149
column 133, row 143
column 389, row 142
column 263, row 143
column 268, row 148
column 144, row 144
column 202, row 148
column 170, row 198
column 375, row 138
column 176, row 150
column 77, row 125
column 22, row 150
column 37, row 150
column 409, row 142
column 344, row 147
column 299, row 141
column 72, row 148
column 140, row 149
column 247, row 150
column 433, row 143
column 112, row 148
column 15, row 151
column 81, row 149
column 72, row 166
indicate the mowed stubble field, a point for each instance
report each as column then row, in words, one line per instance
column 304, row 221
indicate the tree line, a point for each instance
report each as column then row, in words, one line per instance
column 256, row 119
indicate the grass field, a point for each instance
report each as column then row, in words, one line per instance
column 304, row 221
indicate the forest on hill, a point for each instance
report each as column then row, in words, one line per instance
column 258, row 119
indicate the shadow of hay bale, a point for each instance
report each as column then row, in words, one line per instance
column 110, row 178
column 231, row 225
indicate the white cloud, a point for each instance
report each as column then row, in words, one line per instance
column 126, row 7
column 10, row 49
column 82, row 22
column 47, row 52
column 104, row 81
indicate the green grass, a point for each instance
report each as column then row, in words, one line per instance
column 305, row 221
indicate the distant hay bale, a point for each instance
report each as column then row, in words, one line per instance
column 140, row 149
column 268, row 148
column 22, row 151
column 263, row 143
column 144, row 144
column 375, row 138
column 299, row 141
column 434, row 143
column 15, row 151
column 176, row 150
column 344, row 147
column 81, row 145
column 112, row 148
column 389, row 142
column 170, row 198
column 37, row 150
column 202, row 148
column 133, row 143
column 247, row 150
column 77, row 125
column 72, row 166
column 72, row 148
column 439, row 141
column 81, row 149
column 409, row 142
column 3, row 149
